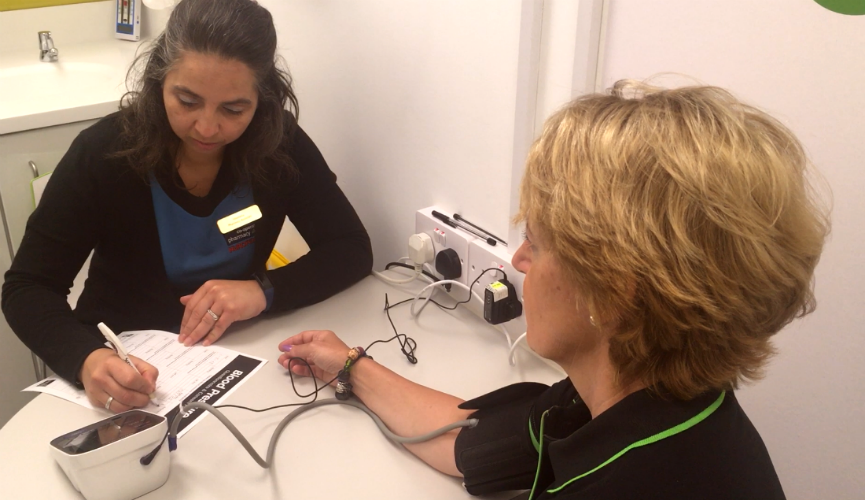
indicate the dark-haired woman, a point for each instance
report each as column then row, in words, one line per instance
column 181, row 196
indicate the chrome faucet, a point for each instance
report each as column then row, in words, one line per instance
column 47, row 52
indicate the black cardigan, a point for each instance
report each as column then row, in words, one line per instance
column 93, row 203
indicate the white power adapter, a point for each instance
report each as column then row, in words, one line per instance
column 420, row 252
column 420, row 249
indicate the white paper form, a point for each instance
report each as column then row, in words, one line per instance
column 197, row 373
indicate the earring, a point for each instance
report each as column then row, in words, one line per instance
column 592, row 320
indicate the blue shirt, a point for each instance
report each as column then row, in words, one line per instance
column 194, row 249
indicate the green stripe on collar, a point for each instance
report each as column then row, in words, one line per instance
column 691, row 422
column 534, row 439
column 540, row 457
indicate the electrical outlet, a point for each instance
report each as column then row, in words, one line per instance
column 475, row 255
column 443, row 237
column 483, row 256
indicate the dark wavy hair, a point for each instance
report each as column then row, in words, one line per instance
column 240, row 30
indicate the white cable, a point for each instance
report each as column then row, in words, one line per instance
column 511, row 352
column 417, row 275
column 444, row 282
column 501, row 327
column 429, row 297
column 429, row 268
column 505, row 332
column 511, row 359
column 434, row 286
column 413, row 277
column 424, row 276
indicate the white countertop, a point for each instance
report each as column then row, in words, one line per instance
column 86, row 82
column 330, row 452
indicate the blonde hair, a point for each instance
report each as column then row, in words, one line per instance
column 685, row 218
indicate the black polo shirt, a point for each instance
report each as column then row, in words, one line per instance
column 644, row 447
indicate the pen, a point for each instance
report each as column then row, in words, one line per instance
column 460, row 218
column 452, row 223
column 121, row 351
column 444, row 218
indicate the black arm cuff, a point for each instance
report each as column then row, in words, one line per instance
column 497, row 454
column 500, row 454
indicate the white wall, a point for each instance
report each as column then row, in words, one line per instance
column 411, row 102
column 568, row 54
column 420, row 102
column 69, row 25
column 805, row 65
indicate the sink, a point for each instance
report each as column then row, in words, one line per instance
column 46, row 79
column 85, row 83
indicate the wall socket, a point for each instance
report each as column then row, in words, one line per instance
column 475, row 255
column 443, row 237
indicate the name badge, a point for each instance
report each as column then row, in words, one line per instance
column 238, row 219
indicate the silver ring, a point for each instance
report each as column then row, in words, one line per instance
column 108, row 403
column 213, row 315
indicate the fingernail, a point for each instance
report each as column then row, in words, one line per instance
column 285, row 348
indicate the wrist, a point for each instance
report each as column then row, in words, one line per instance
column 93, row 357
column 343, row 385
column 361, row 372
column 266, row 288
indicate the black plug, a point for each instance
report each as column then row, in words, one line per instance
column 448, row 265
column 501, row 303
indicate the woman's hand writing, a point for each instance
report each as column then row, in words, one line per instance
column 322, row 349
column 216, row 305
column 105, row 376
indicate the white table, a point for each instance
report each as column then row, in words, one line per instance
column 329, row 452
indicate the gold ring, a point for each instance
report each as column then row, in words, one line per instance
column 213, row 315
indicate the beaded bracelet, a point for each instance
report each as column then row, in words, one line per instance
column 343, row 386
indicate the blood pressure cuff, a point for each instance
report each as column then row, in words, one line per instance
column 499, row 453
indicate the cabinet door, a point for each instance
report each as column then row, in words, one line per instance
column 44, row 147
column 16, row 367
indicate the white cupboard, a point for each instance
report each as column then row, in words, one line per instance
column 44, row 148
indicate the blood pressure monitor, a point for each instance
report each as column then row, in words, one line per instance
column 104, row 460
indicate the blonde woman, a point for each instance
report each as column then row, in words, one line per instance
column 669, row 235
